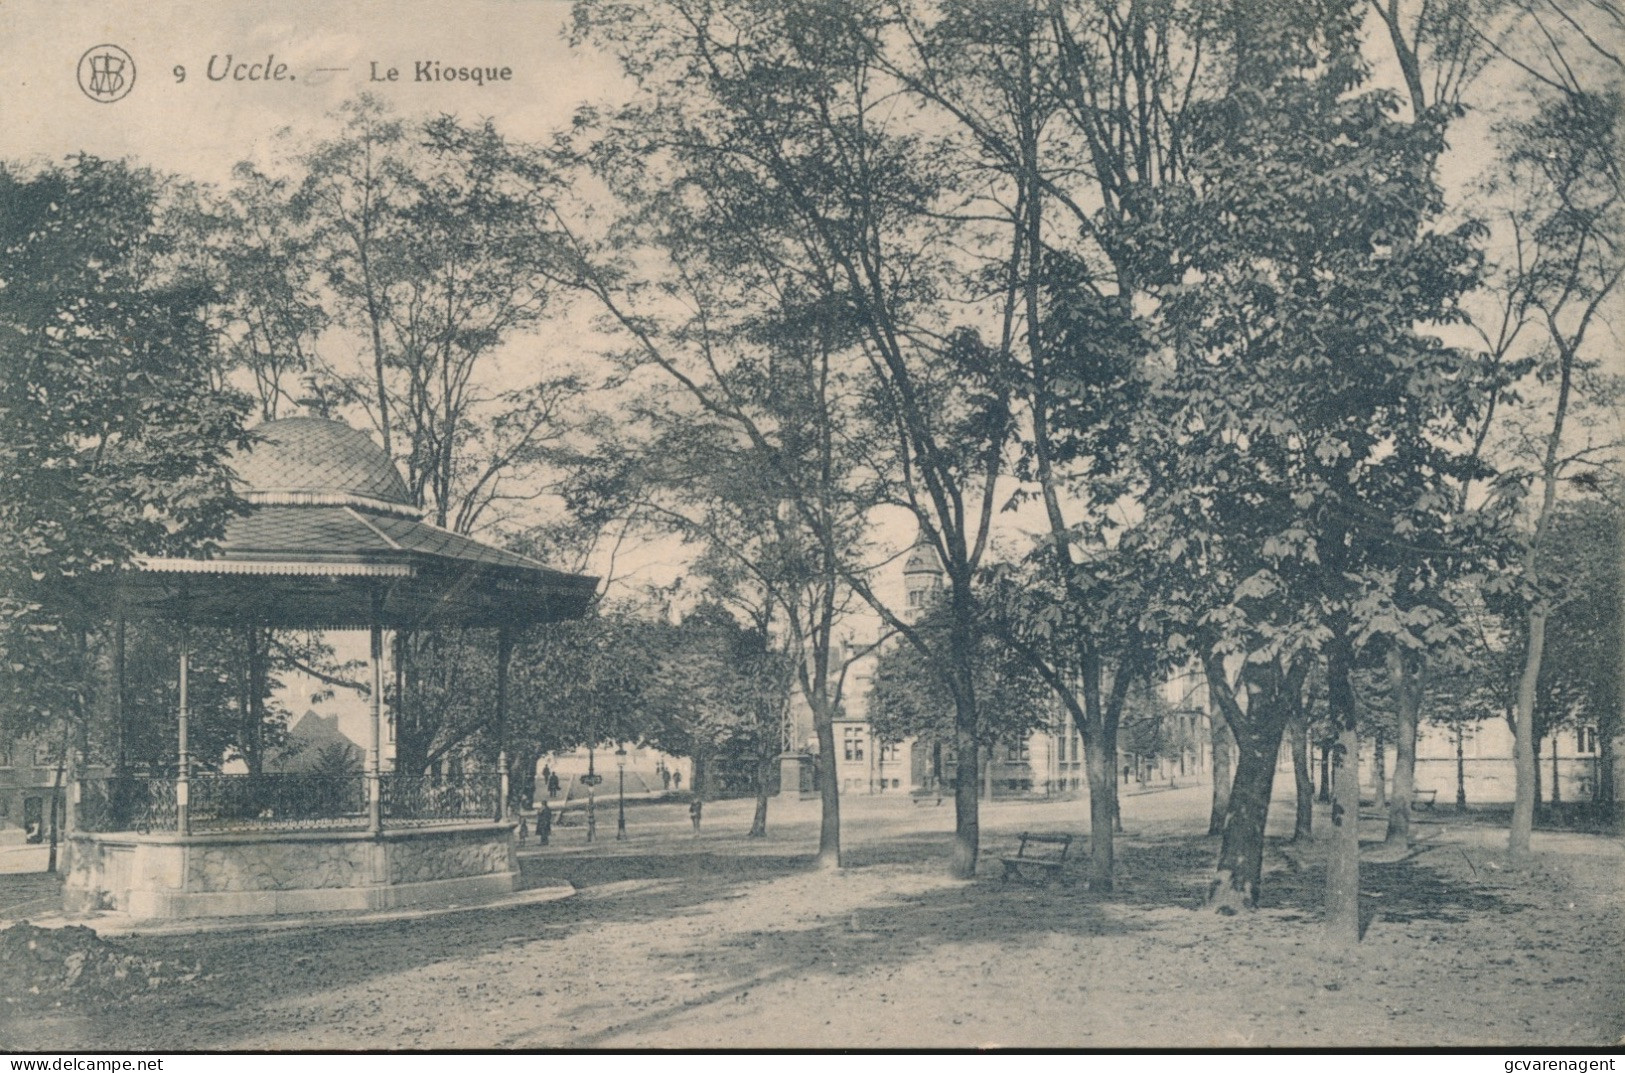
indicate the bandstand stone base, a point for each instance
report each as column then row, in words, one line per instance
column 267, row 873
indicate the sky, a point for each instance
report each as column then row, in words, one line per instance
column 201, row 126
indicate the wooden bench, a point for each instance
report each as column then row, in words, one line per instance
column 1049, row 860
column 1423, row 799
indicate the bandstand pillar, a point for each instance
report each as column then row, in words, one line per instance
column 183, row 803
column 504, row 654
column 375, row 744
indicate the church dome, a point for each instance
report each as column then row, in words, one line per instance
column 318, row 461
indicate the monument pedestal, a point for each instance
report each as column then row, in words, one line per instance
column 796, row 775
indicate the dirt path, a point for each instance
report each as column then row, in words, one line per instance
column 675, row 941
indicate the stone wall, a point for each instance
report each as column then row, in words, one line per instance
column 310, row 865
column 164, row 877
column 447, row 856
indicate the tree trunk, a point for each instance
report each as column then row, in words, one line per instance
column 1461, row 769
column 1539, row 797
column 1525, row 771
column 1273, row 698
column 967, row 809
column 1379, row 770
column 1342, row 911
column 764, row 777
column 967, row 824
column 1098, row 729
column 257, row 676
column 412, row 739
column 56, row 805
column 1108, row 733
column 829, row 793
column 1102, row 772
column 1325, row 794
column 522, row 761
column 1221, row 738
column 1557, row 793
column 1407, row 696
column 1303, row 823
column 1605, row 765
column 1241, row 854
column 700, row 775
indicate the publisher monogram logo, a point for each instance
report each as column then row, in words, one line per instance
column 106, row 73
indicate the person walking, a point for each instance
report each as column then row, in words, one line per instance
column 695, row 807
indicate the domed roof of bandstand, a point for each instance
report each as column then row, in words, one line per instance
column 313, row 456
column 331, row 539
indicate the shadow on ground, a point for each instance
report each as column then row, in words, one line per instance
column 891, row 905
column 247, row 976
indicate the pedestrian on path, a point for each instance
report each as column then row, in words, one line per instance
column 694, row 808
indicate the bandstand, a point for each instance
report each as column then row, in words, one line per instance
column 331, row 542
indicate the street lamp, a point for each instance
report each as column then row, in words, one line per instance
column 620, row 817
column 592, row 779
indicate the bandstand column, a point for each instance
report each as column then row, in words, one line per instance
column 183, row 803
column 504, row 653
column 375, row 750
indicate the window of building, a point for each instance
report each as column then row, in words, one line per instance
column 853, row 740
column 889, row 752
column 1018, row 751
column 1587, row 740
column 916, row 598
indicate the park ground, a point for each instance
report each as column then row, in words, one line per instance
column 716, row 940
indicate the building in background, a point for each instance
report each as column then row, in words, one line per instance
column 1044, row 763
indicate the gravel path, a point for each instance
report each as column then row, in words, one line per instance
column 678, row 941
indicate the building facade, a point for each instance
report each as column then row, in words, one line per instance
column 1046, row 763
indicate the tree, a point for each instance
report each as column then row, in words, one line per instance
column 425, row 236
column 784, row 115
column 414, row 242
column 719, row 693
column 578, row 683
column 1303, row 448
column 1567, row 219
column 1086, row 641
column 1068, row 122
column 1582, row 691
column 908, row 698
column 113, row 423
